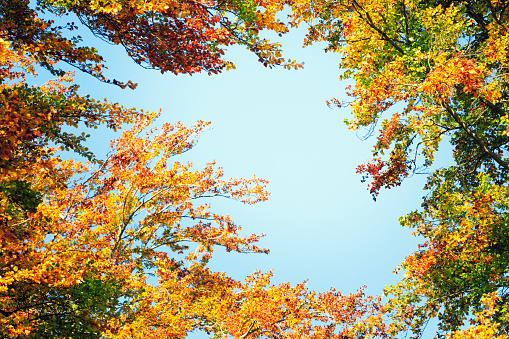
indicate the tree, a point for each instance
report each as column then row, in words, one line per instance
column 172, row 36
column 429, row 72
column 178, row 37
column 104, row 248
column 136, row 217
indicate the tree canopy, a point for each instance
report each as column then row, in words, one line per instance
column 429, row 72
column 118, row 247
column 103, row 248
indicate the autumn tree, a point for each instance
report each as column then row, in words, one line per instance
column 171, row 36
column 428, row 73
column 80, row 265
column 178, row 37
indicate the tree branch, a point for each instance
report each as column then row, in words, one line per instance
column 474, row 136
column 370, row 22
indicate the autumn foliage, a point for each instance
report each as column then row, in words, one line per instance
column 428, row 73
column 171, row 36
column 119, row 247
column 80, row 264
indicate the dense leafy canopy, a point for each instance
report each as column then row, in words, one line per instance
column 427, row 72
column 119, row 247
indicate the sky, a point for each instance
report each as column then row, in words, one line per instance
column 320, row 221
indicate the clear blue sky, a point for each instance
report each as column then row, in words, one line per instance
column 321, row 222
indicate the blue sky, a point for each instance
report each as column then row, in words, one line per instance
column 321, row 222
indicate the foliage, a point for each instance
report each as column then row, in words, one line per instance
column 114, row 229
column 119, row 248
column 428, row 72
column 32, row 118
column 171, row 36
